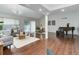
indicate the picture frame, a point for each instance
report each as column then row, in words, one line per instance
column 53, row 22
column 49, row 22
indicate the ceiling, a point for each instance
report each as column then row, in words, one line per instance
column 71, row 9
column 18, row 10
column 35, row 11
column 52, row 7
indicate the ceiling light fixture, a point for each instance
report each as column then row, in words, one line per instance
column 40, row 9
column 62, row 10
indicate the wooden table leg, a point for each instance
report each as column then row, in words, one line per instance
column 1, row 49
column 72, row 33
column 66, row 33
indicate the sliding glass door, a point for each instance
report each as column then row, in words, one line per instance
column 29, row 28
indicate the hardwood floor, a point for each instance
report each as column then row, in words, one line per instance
column 36, row 48
column 59, row 46
column 63, row 46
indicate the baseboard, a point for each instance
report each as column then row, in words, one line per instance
column 52, row 32
column 68, row 34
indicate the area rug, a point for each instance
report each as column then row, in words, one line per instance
column 20, row 43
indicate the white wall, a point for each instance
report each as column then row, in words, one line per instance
column 44, row 22
column 72, row 18
column 40, row 21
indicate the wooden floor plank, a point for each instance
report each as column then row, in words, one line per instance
column 58, row 46
column 36, row 48
column 63, row 46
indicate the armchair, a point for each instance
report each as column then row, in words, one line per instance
column 7, row 40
